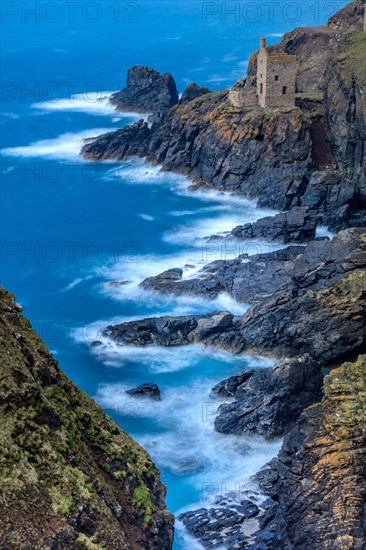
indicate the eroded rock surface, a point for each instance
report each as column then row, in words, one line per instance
column 269, row 401
column 147, row 91
column 296, row 226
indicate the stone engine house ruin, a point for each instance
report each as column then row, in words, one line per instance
column 276, row 74
column 275, row 86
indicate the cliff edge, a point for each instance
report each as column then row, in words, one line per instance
column 70, row 477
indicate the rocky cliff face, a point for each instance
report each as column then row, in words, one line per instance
column 147, row 91
column 317, row 482
column 70, row 478
column 312, row 155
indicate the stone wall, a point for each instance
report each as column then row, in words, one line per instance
column 276, row 76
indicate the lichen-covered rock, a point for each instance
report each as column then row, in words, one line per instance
column 317, row 484
column 70, row 478
column 192, row 92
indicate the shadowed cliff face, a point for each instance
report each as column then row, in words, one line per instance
column 312, row 155
column 317, row 482
column 70, row 478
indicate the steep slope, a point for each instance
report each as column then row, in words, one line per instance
column 70, row 478
column 317, row 482
column 316, row 485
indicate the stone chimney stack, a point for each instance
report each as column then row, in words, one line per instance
column 262, row 43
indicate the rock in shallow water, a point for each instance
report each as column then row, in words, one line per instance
column 147, row 91
column 269, row 401
column 146, row 391
column 298, row 225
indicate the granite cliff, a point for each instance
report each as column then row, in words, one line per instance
column 70, row 478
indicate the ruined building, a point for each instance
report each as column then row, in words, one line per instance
column 276, row 74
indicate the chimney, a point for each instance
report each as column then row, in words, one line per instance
column 262, row 43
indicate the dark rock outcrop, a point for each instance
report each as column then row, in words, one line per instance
column 327, row 324
column 315, row 486
column 252, row 279
column 311, row 155
column 317, row 483
column 163, row 279
column 192, row 92
column 214, row 329
column 269, row 401
column 147, row 91
column 296, row 226
column 145, row 391
column 70, row 477
column 309, row 303
column 220, row 527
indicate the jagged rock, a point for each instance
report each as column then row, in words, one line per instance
column 228, row 387
column 149, row 391
column 177, row 331
column 295, row 269
column 309, row 156
column 174, row 274
column 192, row 92
column 147, row 91
column 298, row 225
column 311, row 302
column 327, row 324
column 269, row 401
column 317, row 483
column 130, row 141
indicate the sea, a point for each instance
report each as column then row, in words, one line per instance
column 77, row 238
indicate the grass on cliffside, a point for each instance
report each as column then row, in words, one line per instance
column 59, row 449
column 351, row 58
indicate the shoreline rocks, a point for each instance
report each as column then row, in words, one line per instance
column 311, row 155
column 269, row 401
column 147, row 91
column 316, row 484
column 296, row 226
column 313, row 493
column 146, row 391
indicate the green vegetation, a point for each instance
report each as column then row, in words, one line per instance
column 142, row 499
column 351, row 58
column 59, row 448
column 345, row 402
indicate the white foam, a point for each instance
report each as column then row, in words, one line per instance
column 323, row 231
column 186, row 438
column 64, row 147
column 72, row 285
column 192, row 233
column 147, row 217
column 93, row 103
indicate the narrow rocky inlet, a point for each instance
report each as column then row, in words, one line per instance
column 218, row 335
column 307, row 300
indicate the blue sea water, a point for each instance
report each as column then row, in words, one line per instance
column 69, row 228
